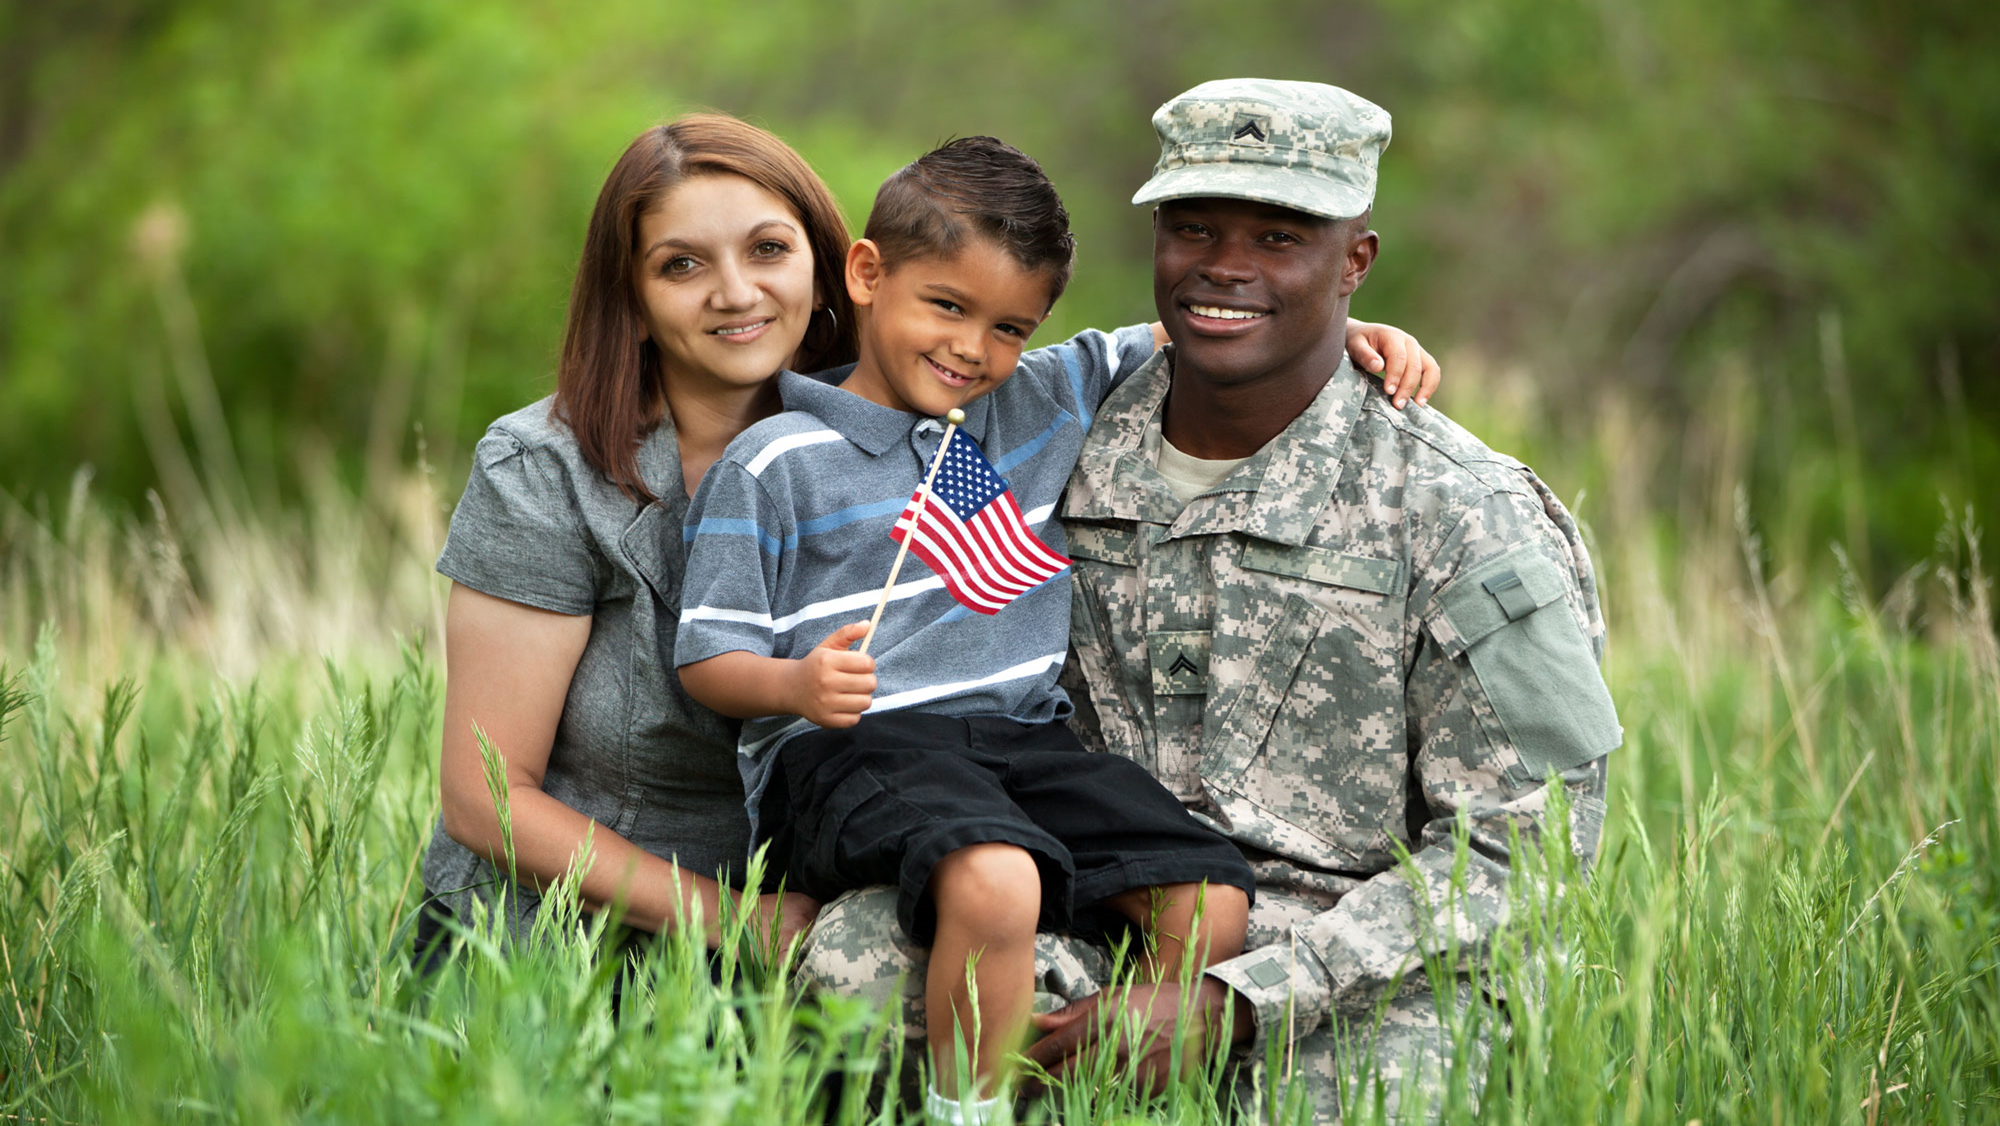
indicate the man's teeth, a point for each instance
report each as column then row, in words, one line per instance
column 740, row 331
column 1223, row 314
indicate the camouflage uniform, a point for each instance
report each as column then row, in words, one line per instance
column 1373, row 628
column 1372, row 636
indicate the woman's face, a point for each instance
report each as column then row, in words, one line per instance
column 725, row 282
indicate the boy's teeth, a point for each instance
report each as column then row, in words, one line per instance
column 1223, row 314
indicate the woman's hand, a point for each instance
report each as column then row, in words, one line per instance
column 1406, row 369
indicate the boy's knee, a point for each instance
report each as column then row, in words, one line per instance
column 992, row 889
column 1225, row 903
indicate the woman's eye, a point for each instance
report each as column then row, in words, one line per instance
column 770, row 248
column 678, row 264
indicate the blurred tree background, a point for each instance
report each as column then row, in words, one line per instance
column 1725, row 243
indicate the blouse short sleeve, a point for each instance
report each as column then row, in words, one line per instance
column 514, row 534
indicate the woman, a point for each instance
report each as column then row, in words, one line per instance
column 713, row 259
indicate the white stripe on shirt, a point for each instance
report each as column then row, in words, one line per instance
column 929, row 692
column 785, row 445
column 825, row 608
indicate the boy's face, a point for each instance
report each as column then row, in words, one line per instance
column 939, row 332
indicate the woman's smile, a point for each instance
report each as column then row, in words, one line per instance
column 743, row 332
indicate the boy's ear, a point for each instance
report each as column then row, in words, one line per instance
column 865, row 271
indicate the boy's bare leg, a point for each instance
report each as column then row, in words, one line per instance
column 1167, row 912
column 988, row 899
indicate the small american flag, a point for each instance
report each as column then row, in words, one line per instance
column 972, row 533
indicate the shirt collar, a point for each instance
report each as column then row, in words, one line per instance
column 1276, row 495
column 871, row 426
column 659, row 464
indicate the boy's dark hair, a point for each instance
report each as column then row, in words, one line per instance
column 979, row 184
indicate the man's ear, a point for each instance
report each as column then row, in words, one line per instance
column 865, row 271
column 1360, row 259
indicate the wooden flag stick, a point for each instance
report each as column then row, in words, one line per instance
column 951, row 419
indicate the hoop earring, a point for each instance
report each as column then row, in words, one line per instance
column 832, row 326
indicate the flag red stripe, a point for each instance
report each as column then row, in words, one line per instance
column 972, row 566
column 941, row 546
column 1037, row 551
column 972, row 559
column 930, row 550
column 986, row 561
column 1006, row 531
column 999, row 547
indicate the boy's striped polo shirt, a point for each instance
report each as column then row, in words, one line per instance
column 788, row 540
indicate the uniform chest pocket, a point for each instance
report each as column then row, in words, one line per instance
column 1104, row 543
column 1312, row 737
column 1106, row 619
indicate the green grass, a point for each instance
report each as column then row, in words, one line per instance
column 209, row 840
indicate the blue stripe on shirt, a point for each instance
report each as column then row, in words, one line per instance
column 719, row 526
column 850, row 514
column 1075, row 366
column 1033, row 446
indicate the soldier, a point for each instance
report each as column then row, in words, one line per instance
column 1339, row 633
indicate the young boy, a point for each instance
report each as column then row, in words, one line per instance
column 941, row 764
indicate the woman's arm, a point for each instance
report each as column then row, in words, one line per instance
column 507, row 674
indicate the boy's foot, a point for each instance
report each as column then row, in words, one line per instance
column 942, row 1111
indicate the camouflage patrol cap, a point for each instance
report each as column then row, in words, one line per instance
column 1303, row 145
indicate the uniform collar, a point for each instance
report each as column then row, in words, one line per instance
column 1277, row 495
column 871, row 426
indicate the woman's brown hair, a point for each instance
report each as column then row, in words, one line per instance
column 610, row 390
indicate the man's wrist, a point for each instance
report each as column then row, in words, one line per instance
column 1226, row 1003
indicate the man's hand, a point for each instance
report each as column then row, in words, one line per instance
column 832, row 685
column 1153, row 1012
column 784, row 915
column 1405, row 368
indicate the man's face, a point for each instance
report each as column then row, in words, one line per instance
column 1250, row 291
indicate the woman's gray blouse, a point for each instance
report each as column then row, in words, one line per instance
column 539, row 526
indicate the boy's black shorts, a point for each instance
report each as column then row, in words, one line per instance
column 882, row 802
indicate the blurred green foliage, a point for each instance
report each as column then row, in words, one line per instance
column 255, row 230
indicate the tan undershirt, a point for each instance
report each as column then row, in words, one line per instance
column 1189, row 477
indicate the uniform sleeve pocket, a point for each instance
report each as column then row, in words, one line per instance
column 1509, row 619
